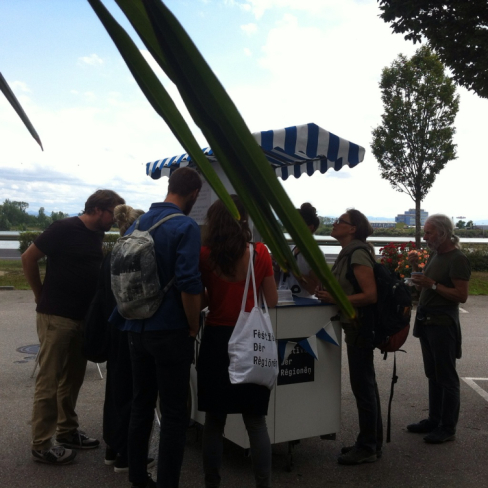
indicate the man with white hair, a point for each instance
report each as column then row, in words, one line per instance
column 443, row 285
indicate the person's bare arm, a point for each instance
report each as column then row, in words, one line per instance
column 365, row 277
column 367, row 283
column 457, row 294
column 192, row 306
column 30, row 266
column 310, row 282
column 269, row 290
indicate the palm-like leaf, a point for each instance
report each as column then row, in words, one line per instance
column 9, row 94
column 159, row 98
column 232, row 143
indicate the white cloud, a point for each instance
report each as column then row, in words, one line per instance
column 329, row 8
column 249, row 29
column 19, row 86
column 92, row 60
column 318, row 65
column 90, row 96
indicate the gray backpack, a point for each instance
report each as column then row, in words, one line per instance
column 134, row 273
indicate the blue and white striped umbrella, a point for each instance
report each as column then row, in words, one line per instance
column 291, row 151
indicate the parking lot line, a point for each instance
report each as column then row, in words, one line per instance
column 476, row 388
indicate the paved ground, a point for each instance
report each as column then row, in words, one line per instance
column 407, row 460
column 9, row 254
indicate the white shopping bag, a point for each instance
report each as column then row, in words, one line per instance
column 253, row 352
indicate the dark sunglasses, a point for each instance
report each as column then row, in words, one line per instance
column 342, row 221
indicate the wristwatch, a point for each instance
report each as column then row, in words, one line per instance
column 434, row 286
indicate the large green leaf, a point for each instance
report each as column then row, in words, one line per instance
column 159, row 98
column 9, row 94
column 236, row 149
column 238, row 153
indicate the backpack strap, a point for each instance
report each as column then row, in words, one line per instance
column 394, row 379
column 157, row 224
column 350, row 273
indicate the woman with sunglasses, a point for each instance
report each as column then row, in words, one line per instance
column 353, row 269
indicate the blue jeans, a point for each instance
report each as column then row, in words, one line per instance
column 160, row 364
column 365, row 389
column 439, row 348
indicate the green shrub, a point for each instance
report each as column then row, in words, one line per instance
column 26, row 239
column 477, row 255
column 109, row 242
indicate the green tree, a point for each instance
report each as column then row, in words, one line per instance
column 42, row 218
column 414, row 141
column 4, row 222
column 457, row 30
column 15, row 212
column 461, row 224
column 58, row 216
column 469, row 224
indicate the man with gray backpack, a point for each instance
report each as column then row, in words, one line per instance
column 162, row 328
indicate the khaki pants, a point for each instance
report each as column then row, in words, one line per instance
column 59, row 379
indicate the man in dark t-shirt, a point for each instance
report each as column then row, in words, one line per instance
column 444, row 285
column 73, row 247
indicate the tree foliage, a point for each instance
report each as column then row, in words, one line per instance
column 461, row 224
column 415, row 139
column 14, row 214
column 457, row 30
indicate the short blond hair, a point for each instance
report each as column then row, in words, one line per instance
column 125, row 216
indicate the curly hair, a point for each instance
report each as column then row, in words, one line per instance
column 309, row 215
column 125, row 216
column 226, row 237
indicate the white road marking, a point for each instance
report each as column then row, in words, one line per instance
column 462, row 310
column 476, row 388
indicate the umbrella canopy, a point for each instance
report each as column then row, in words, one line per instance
column 291, row 151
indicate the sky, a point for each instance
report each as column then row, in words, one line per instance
column 283, row 62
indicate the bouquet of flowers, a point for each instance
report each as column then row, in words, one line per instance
column 395, row 257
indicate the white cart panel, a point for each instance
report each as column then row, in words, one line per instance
column 304, row 409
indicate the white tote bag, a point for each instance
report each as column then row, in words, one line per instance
column 253, row 352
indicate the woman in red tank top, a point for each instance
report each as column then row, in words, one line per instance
column 224, row 261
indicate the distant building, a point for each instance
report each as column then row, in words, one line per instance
column 383, row 225
column 408, row 218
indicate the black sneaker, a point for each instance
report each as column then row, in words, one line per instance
column 346, row 449
column 110, row 456
column 357, row 455
column 423, row 427
column 439, row 435
column 55, row 455
column 150, row 483
column 78, row 440
column 122, row 465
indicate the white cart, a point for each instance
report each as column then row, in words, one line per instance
column 306, row 401
column 306, row 405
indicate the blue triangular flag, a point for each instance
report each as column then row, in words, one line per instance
column 309, row 345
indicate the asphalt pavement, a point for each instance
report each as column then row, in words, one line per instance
column 407, row 461
column 9, row 254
